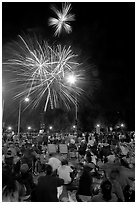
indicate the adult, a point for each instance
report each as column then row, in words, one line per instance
column 82, row 148
column 85, row 183
column 54, row 162
column 13, row 191
column 64, row 172
column 106, row 194
column 46, row 190
column 25, row 178
column 116, row 187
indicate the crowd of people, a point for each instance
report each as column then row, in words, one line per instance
column 93, row 168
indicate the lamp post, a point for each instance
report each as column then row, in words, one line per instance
column 19, row 114
column 98, row 128
column 9, row 128
column 3, row 106
column 3, row 103
column 71, row 79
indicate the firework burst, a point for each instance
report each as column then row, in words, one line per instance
column 63, row 19
column 41, row 72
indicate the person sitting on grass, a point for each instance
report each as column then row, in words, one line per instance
column 106, row 194
column 65, row 172
column 46, row 190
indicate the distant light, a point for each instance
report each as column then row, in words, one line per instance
column 41, row 131
column 26, row 99
column 122, row 125
column 74, row 126
column 9, row 128
column 98, row 125
column 111, row 128
column 71, row 79
column 50, row 127
column 29, row 128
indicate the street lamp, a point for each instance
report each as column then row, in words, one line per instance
column 71, row 79
column 26, row 99
column 19, row 116
column 50, row 127
column 3, row 103
column 9, row 128
column 98, row 128
column 122, row 125
column 29, row 128
column 3, row 106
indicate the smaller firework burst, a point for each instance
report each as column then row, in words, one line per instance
column 63, row 19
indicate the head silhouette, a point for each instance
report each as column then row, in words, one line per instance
column 106, row 188
column 48, row 169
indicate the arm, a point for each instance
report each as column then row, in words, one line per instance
column 94, row 199
column 60, row 182
column 118, row 191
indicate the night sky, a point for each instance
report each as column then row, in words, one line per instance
column 104, row 35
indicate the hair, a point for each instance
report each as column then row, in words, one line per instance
column 106, row 188
column 105, row 160
column 13, row 191
column 113, row 173
column 53, row 154
column 64, row 162
column 49, row 169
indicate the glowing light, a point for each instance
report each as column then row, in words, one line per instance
column 98, row 125
column 74, row 126
column 29, row 128
column 26, row 99
column 111, row 128
column 41, row 70
column 9, row 128
column 50, row 127
column 62, row 20
column 122, row 125
column 71, row 79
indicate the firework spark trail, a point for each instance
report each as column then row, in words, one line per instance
column 41, row 71
column 63, row 18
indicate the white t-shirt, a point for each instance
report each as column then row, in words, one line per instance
column 55, row 163
column 111, row 158
column 64, row 173
column 94, row 157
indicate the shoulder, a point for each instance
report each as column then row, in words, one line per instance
column 60, row 169
column 68, row 168
column 54, row 159
column 114, row 198
column 58, row 181
column 116, row 184
column 41, row 178
column 97, row 198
